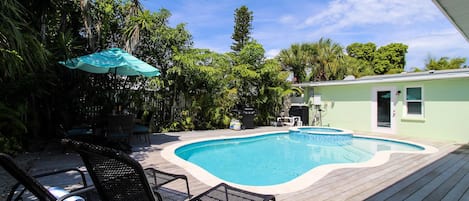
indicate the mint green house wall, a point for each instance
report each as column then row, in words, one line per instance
column 445, row 105
column 346, row 107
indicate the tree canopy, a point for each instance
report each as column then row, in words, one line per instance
column 390, row 59
column 197, row 88
column 445, row 63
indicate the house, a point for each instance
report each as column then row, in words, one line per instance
column 432, row 104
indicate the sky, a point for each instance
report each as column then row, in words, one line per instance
column 278, row 24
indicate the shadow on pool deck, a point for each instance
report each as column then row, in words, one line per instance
column 163, row 138
column 444, row 179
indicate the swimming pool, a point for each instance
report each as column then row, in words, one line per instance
column 282, row 158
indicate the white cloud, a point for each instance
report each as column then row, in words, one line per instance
column 445, row 43
column 349, row 13
column 272, row 53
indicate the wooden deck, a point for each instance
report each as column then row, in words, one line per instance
column 440, row 176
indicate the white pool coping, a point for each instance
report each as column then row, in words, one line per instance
column 296, row 184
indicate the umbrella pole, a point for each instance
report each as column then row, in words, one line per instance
column 115, row 87
column 115, row 83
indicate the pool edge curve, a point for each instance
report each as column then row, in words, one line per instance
column 299, row 183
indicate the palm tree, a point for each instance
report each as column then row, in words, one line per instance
column 297, row 58
column 21, row 51
column 328, row 63
column 97, row 23
column 140, row 22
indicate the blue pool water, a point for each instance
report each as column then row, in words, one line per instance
column 278, row 158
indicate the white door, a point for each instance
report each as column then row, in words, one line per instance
column 383, row 111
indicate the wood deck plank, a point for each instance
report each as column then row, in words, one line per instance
column 406, row 168
column 339, row 180
column 436, row 183
column 444, row 188
column 465, row 197
column 377, row 175
column 458, row 191
column 423, row 179
column 398, row 187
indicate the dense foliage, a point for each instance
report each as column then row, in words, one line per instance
column 197, row 88
column 445, row 63
column 326, row 60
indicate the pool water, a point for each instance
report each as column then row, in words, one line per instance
column 273, row 159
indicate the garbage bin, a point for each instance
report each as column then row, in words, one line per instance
column 248, row 117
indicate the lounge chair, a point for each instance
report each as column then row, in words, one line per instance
column 119, row 177
column 29, row 186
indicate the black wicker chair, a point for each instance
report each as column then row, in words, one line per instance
column 117, row 176
column 28, row 184
column 224, row 192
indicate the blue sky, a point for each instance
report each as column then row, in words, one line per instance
column 280, row 23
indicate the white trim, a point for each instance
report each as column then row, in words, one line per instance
column 402, row 77
column 374, row 110
column 405, row 114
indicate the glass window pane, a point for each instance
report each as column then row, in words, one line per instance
column 414, row 108
column 414, row 93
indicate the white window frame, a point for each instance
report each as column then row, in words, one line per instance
column 422, row 101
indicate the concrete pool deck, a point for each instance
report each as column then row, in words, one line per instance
column 444, row 174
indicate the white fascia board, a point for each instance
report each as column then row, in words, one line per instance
column 384, row 80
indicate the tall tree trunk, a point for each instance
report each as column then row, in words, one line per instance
column 87, row 22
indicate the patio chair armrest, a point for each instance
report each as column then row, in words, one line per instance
column 82, row 174
column 153, row 170
column 154, row 175
column 226, row 192
column 90, row 190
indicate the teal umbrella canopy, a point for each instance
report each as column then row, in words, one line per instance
column 114, row 60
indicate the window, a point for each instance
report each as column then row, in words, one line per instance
column 414, row 101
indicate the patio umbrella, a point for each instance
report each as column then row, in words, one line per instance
column 114, row 60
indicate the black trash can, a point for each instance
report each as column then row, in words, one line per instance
column 248, row 114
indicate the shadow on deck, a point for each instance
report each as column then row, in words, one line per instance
column 444, row 179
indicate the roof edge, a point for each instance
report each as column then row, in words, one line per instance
column 445, row 12
column 406, row 77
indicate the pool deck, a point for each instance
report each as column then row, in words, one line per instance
column 443, row 175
